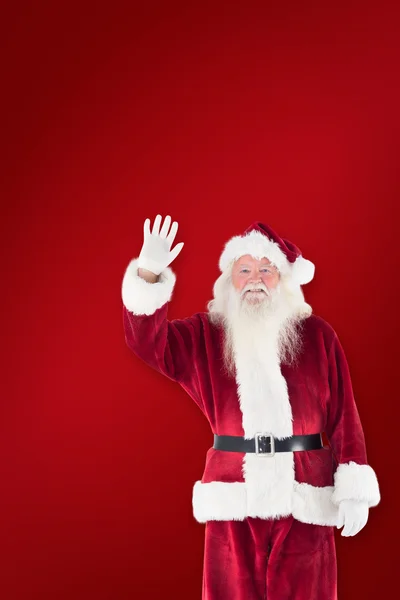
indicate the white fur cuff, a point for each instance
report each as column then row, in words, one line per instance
column 143, row 298
column 356, row 482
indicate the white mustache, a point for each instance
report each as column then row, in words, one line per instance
column 249, row 288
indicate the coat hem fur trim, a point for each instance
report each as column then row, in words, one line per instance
column 225, row 501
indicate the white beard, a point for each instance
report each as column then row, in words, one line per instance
column 270, row 327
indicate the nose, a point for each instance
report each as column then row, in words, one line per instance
column 255, row 276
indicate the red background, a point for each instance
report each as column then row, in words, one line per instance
column 219, row 115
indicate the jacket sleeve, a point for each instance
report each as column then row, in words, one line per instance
column 170, row 347
column 354, row 479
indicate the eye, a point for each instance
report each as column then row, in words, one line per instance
column 243, row 270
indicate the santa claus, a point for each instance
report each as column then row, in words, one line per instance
column 270, row 377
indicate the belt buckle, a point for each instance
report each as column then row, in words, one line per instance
column 259, row 450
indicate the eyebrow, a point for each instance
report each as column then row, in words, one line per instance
column 269, row 265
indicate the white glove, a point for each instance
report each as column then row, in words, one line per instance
column 353, row 514
column 155, row 255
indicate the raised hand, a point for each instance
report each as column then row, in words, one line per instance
column 156, row 253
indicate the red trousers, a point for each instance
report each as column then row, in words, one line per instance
column 264, row 559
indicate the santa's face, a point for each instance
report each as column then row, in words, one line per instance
column 253, row 278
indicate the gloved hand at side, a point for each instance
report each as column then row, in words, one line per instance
column 353, row 514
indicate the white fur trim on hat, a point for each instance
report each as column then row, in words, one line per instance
column 259, row 245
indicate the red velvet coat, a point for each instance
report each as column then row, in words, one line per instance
column 312, row 397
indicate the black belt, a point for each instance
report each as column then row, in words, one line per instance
column 266, row 445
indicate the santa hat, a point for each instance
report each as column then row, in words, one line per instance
column 260, row 241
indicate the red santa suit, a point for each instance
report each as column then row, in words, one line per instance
column 252, row 504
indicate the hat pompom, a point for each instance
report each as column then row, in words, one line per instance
column 303, row 270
